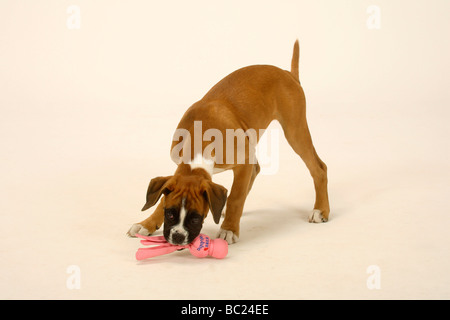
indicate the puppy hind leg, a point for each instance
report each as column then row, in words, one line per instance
column 300, row 140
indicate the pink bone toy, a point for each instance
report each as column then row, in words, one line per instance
column 201, row 247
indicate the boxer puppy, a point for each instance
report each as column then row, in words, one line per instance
column 244, row 103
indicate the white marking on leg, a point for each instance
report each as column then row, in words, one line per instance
column 316, row 216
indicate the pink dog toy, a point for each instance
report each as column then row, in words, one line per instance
column 201, row 247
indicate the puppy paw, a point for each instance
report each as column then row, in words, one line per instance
column 228, row 236
column 137, row 228
column 316, row 216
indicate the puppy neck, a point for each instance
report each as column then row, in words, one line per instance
column 197, row 166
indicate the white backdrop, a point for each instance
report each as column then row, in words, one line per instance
column 91, row 91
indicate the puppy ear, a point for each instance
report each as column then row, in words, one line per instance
column 157, row 187
column 216, row 195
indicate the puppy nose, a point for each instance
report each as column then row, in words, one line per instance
column 177, row 238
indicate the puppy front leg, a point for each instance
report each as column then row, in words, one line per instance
column 229, row 230
column 149, row 225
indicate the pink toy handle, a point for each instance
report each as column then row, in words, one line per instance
column 201, row 247
column 145, row 253
column 151, row 243
column 151, row 240
column 163, row 247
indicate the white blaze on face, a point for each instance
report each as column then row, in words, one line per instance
column 179, row 227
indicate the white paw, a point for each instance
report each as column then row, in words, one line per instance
column 316, row 216
column 137, row 228
column 228, row 236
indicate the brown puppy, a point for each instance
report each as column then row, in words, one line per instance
column 243, row 103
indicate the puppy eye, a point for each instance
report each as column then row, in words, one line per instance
column 169, row 213
column 195, row 220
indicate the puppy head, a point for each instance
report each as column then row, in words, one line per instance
column 187, row 199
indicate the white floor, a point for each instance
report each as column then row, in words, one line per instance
column 69, row 199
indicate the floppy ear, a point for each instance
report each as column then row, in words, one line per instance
column 216, row 195
column 157, row 186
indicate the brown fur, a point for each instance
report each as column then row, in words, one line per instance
column 250, row 97
column 195, row 186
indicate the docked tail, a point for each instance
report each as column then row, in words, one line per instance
column 294, row 63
